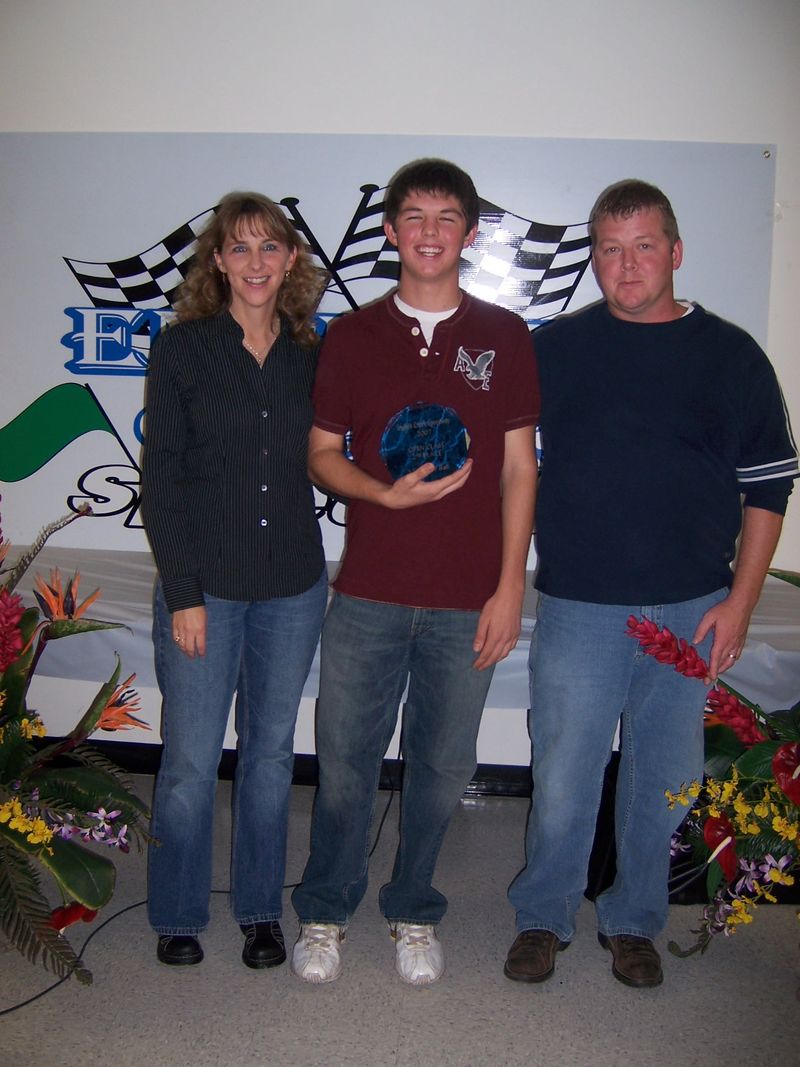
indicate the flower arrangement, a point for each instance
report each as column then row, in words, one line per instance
column 743, row 829
column 58, row 799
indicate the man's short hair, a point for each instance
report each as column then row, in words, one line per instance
column 436, row 177
column 625, row 198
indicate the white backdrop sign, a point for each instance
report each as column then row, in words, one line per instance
column 98, row 230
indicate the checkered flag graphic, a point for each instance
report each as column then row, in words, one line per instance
column 365, row 252
column 151, row 279
column 529, row 267
column 148, row 280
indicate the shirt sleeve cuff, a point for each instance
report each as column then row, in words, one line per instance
column 770, row 496
column 181, row 593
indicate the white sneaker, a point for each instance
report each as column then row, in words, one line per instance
column 419, row 957
column 316, row 956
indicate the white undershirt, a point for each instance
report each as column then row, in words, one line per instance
column 428, row 320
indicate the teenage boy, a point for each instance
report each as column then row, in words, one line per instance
column 658, row 420
column 430, row 589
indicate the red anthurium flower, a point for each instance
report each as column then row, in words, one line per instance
column 61, row 918
column 786, row 768
column 718, row 831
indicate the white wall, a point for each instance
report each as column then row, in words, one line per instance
column 706, row 70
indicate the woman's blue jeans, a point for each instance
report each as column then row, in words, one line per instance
column 369, row 651
column 261, row 651
column 585, row 673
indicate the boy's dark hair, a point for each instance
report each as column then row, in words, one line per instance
column 435, row 176
column 625, row 198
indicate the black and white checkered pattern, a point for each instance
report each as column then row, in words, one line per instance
column 365, row 252
column 147, row 281
column 528, row 267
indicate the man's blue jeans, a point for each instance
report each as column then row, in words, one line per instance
column 585, row 673
column 262, row 651
column 369, row 651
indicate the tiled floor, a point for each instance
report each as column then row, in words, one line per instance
column 737, row 1003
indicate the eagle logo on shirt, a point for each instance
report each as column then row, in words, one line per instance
column 476, row 367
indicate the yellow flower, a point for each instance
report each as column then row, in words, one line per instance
column 746, row 826
column 788, row 830
column 35, row 830
column 740, row 805
column 761, row 809
column 714, row 789
column 729, row 788
column 694, row 790
column 765, row 893
column 713, row 811
column 741, row 913
column 780, row 877
column 32, row 728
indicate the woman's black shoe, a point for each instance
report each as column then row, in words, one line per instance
column 179, row 951
column 263, row 945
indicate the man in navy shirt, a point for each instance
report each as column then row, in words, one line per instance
column 658, row 420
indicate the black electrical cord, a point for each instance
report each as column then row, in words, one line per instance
column 141, row 903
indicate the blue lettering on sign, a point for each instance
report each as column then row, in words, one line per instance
column 112, row 340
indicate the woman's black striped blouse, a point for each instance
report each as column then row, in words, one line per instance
column 226, row 499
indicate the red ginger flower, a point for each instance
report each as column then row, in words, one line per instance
column 726, row 709
column 11, row 612
column 665, row 647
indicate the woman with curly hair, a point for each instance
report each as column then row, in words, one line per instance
column 242, row 587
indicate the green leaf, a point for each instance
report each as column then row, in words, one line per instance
column 82, row 875
column 757, row 761
column 786, row 576
column 786, row 724
column 88, row 724
column 714, row 879
column 684, row 953
column 722, row 748
column 68, row 627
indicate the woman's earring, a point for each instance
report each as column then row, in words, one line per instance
column 287, row 275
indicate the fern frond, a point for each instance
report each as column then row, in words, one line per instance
column 25, row 918
column 91, row 757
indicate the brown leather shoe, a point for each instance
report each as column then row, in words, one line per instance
column 532, row 957
column 636, row 961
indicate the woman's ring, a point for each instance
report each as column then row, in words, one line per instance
column 178, row 640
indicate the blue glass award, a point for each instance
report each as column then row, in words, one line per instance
column 424, row 433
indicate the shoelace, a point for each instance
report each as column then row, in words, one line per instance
column 318, row 936
column 413, row 939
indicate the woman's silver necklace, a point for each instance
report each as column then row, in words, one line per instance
column 255, row 353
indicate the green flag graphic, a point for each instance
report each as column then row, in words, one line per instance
column 50, row 423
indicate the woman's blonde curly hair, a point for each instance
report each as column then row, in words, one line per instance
column 205, row 291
